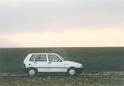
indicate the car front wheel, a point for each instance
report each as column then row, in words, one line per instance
column 72, row 71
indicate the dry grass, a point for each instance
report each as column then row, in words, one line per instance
column 84, row 80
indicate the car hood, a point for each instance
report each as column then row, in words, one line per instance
column 72, row 63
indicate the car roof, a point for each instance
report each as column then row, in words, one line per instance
column 42, row 53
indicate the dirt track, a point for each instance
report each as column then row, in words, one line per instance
column 87, row 74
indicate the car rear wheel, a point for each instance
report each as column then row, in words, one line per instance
column 72, row 71
column 32, row 72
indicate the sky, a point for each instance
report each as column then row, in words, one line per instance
column 61, row 23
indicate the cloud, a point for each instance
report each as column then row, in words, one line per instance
column 40, row 15
column 61, row 23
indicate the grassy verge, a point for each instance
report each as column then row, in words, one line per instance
column 98, row 80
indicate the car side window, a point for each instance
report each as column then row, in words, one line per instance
column 32, row 58
column 54, row 58
column 41, row 58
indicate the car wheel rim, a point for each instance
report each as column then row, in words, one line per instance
column 31, row 72
column 72, row 72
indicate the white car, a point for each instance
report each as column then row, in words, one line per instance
column 50, row 62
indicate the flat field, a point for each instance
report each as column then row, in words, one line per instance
column 94, row 58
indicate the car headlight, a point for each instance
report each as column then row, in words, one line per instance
column 81, row 66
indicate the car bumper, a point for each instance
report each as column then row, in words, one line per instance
column 79, row 70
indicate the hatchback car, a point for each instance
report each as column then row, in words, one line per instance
column 50, row 62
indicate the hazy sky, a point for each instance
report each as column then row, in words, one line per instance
column 61, row 23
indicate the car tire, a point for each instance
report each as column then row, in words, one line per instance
column 72, row 71
column 32, row 72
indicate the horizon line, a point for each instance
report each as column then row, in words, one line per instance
column 71, row 47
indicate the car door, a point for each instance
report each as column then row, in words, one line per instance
column 55, row 63
column 41, row 63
